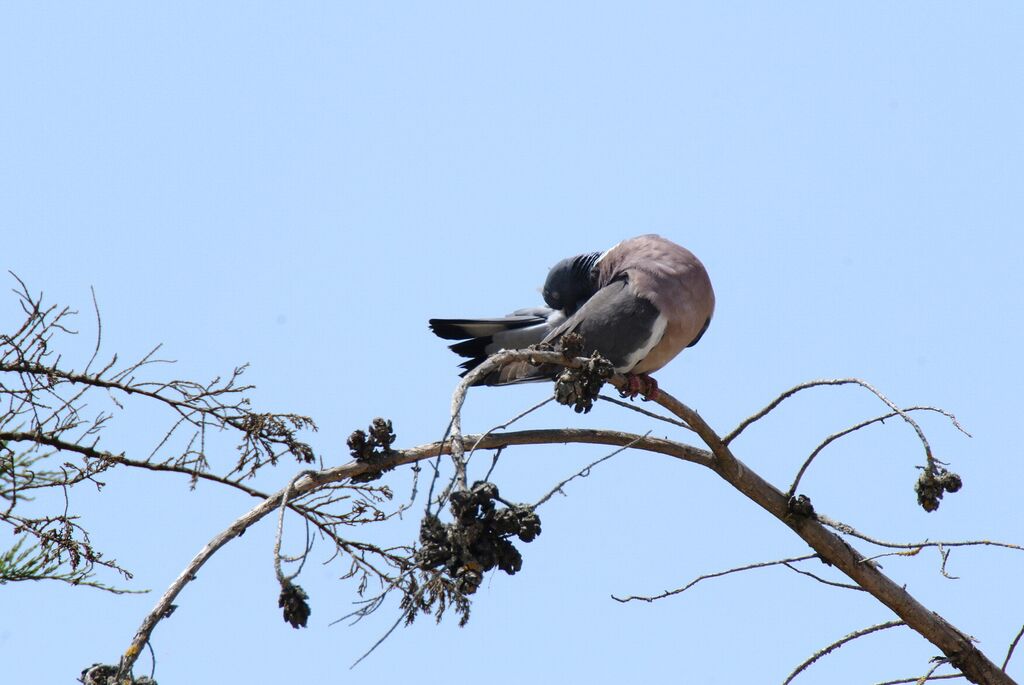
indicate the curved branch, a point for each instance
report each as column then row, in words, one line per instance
column 103, row 456
column 824, row 581
column 839, row 643
column 314, row 480
column 835, row 381
column 717, row 574
column 856, row 427
column 957, row 646
column 914, row 547
column 182, row 406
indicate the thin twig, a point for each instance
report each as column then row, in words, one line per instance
column 99, row 330
column 378, row 643
column 494, row 462
column 952, row 642
column 280, row 527
column 105, row 457
column 504, row 426
column 152, row 660
column 109, row 457
column 914, row 547
column 845, row 586
column 929, row 674
column 645, row 412
column 863, row 424
column 945, row 557
column 839, row 643
column 436, row 465
column 585, row 471
column 1013, row 646
column 717, row 574
column 917, row 679
column 835, row 381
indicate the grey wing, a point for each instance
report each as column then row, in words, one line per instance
column 620, row 325
column 483, row 337
column 617, row 323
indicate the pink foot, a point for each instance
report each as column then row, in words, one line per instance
column 640, row 384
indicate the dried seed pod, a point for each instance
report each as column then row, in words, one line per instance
column 293, row 601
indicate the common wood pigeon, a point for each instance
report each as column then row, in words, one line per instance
column 639, row 305
column 569, row 284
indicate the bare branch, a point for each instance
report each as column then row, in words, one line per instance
column 504, row 426
column 99, row 330
column 863, row 424
column 45, row 408
column 833, row 549
column 918, row 679
column 585, row 471
column 845, row 586
column 839, row 643
column 105, row 457
column 913, row 547
column 836, row 381
column 939, row 662
column 280, row 527
column 379, row 642
column 1013, row 646
column 164, row 605
column 641, row 410
column 944, row 553
column 494, row 462
column 718, row 574
column 310, row 481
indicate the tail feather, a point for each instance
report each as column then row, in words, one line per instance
column 460, row 329
column 478, row 341
column 471, row 364
column 474, row 347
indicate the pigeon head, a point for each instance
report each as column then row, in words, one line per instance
column 571, row 282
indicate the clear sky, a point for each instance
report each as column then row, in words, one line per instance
column 301, row 186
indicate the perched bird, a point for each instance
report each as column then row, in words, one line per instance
column 639, row 305
column 569, row 284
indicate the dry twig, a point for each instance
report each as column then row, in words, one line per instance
column 839, row 643
column 718, row 574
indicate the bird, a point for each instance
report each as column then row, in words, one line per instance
column 569, row 284
column 638, row 304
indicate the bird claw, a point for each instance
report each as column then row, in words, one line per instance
column 640, row 384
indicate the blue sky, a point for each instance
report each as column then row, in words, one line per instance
column 301, row 186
